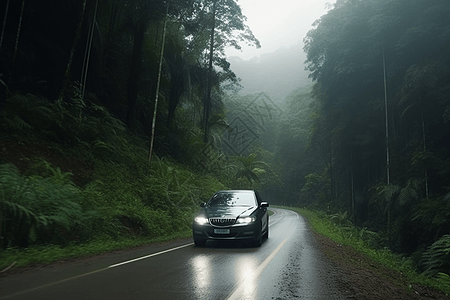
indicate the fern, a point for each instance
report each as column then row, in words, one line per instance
column 73, row 121
column 38, row 209
column 443, row 278
column 388, row 192
column 25, row 113
column 436, row 259
column 100, row 145
column 410, row 192
column 341, row 219
column 60, row 177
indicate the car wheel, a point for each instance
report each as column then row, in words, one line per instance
column 266, row 235
column 200, row 243
column 258, row 240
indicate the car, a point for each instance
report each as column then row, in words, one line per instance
column 232, row 215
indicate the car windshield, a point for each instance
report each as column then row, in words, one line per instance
column 232, row 199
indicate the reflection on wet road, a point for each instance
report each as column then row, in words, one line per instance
column 287, row 265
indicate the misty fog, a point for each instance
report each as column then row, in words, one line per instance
column 277, row 73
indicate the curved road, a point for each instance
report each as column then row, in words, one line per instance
column 288, row 265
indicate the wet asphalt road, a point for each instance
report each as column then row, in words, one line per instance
column 288, row 265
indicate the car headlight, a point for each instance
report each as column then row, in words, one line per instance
column 201, row 220
column 245, row 220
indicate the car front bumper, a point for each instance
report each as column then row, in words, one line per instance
column 236, row 232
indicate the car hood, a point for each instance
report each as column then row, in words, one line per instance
column 229, row 212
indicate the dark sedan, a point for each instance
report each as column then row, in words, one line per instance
column 232, row 215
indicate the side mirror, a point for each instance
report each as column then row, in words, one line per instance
column 264, row 204
column 203, row 204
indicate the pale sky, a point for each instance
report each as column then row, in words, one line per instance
column 278, row 23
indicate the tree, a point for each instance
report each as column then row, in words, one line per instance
column 225, row 22
column 418, row 95
column 76, row 38
column 143, row 11
column 346, row 54
column 248, row 167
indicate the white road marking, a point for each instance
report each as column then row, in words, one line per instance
column 148, row 256
column 271, row 222
column 237, row 293
column 96, row 271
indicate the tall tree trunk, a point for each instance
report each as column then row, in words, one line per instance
column 331, row 172
column 424, row 150
column 2, row 238
column 87, row 54
column 207, row 105
column 16, row 46
column 4, row 25
column 112, row 24
column 352, row 185
column 387, row 146
column 389, row 226
column 387, row 121
column 66, row 79
column 161, row 56
column 135, row 72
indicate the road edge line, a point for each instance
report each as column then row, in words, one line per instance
column 236, row 293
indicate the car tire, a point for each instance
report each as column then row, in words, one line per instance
column 266, row 234
column 258, row 240
column 200, row 243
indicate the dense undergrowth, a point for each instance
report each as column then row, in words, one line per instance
column 52, row 208
column 338, row 228
column 47, row 218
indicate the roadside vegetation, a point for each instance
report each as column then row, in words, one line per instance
column 74, row 186
column 341, row 230
column 46, row 217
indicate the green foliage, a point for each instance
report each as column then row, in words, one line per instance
column 436, row 259
column 90, row 125
column 349, row 231
column 341, row 219
column 339, row 228
column 316, row 187
column 124, row 200
column 40, row 168
column 169, row 186
column 131, row 202
column 349, row 51
column 444, row 279
column 37, row 209
column 24, row 114
column 247, row 167
column 433, row 213
column 363, row 243
column 385, row 196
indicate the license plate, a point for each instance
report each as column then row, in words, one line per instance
column 222, row 231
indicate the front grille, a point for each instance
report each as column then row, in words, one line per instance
column 222, row 221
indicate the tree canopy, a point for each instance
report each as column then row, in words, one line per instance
column 107, row 53
column 350, row 52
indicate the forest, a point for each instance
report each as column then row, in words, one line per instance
column 131, row 115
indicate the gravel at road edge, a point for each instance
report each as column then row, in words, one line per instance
column 368, row 279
